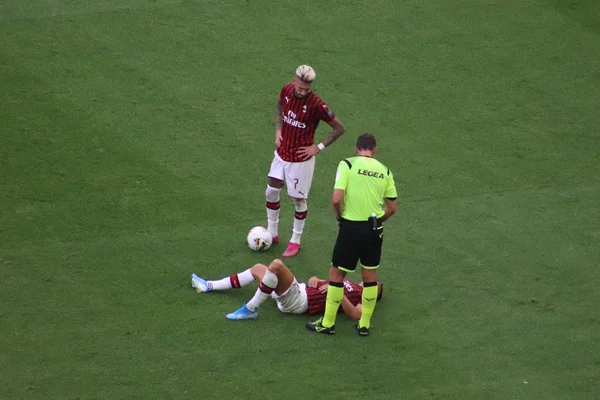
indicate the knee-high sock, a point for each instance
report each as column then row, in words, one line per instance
column 335, row 294
column 273, row 204
column 369, row 299
column 235, row 281
column 299, row 219
column 266, row 287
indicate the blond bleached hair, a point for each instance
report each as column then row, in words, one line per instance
column 305, row 73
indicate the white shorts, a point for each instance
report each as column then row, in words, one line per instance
column 293, row 300
column 297, row 176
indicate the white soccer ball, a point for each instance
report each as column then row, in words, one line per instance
column 259, row 239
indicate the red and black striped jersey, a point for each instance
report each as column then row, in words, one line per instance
column 316, row 299
column 300, row 118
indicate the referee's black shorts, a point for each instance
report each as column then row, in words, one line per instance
column 357, row 241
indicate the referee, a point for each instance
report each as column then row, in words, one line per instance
column 362, row 185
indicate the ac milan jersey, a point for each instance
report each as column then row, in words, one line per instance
column 300, row 119
column 316, row 299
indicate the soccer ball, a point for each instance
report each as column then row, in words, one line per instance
column 259, row 239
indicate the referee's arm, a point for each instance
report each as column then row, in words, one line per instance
column 336, row 199
column 389, row 208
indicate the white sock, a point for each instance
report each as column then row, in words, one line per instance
column 273, row 204
column 299, row 222
column 268, row 284
column 273, row 222
column 298, row 229
column 233, row 281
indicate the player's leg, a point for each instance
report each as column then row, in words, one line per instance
column 300, row 214
column 285, row 277
column 273, row 203
column 344, row 259
column 370, row 259
column 250, row 310
column 298, row 180
column 289, row 294
column 275, row 180
column 294, row 300
column 234, row 281
column 274, row 278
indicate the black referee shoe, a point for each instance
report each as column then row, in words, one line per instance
column 362, row 331
column 318, row 327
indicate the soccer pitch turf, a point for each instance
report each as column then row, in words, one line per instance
column 135, row 137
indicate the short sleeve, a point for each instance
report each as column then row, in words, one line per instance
column 282, row 94
column 341, row 175
column 324, row 112
column 390, row 190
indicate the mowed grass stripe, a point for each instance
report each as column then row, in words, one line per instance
column 11, row 11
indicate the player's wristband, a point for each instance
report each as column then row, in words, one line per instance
column 321, row 146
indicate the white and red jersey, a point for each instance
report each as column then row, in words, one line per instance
column 300, row 118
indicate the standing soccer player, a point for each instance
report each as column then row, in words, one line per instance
column 362, row 185
column 298, row 113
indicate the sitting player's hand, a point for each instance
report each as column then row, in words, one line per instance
column 323, row 289
column 313, row 281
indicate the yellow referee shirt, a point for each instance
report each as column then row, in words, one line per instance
column 366, row 183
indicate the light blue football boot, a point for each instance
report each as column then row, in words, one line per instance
column 200, row 284
column 243, row 313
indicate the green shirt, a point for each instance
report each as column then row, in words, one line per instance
column 366, row 183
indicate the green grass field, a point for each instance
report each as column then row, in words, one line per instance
column 135, row 140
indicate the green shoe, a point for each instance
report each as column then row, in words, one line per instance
column 362, row 331
column 318, row 327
